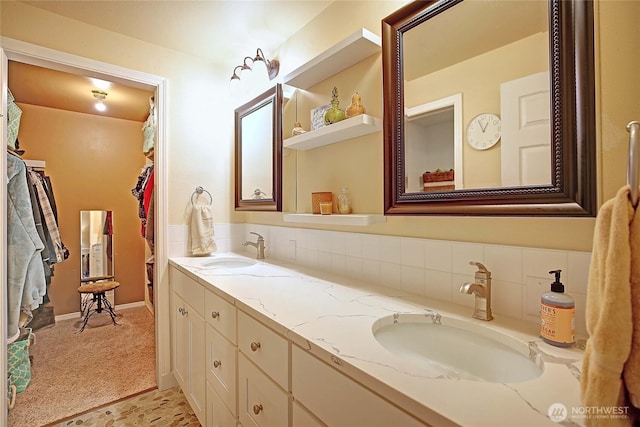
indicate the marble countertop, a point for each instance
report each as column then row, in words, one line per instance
column 332, row 317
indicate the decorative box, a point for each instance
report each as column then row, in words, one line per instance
column 438, row 181
column 316, row 198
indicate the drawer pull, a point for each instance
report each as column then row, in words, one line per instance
column 255, row 346
column 182, row 311
column 257, row 409
column 215, row 314
column 217, row 363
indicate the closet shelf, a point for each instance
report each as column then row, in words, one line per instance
column 355, row 48
column 351, row 219
column 350, row 128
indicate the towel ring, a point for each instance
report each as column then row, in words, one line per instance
column 199, row 191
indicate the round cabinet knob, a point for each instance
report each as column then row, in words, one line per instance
column 215, row 314
column 257, row 409
column 255, row 346
column 217, row 363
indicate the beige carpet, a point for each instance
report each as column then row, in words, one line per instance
column 73, row 372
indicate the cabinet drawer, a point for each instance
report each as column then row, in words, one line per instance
column 339, row 401
column 187, row 288
column 221, row 315
column 265, row 348
column 262, row 402
column 221, row 367
column 218, row 414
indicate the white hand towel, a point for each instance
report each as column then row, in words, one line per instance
column 202, row 241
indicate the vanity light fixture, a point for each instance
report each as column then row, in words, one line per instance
column 100, row 96
column 272, row 66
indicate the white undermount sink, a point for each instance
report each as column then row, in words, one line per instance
column 455, row 348
column 228, row 262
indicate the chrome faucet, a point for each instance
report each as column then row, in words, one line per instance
column 481, row 288
column 259, row 245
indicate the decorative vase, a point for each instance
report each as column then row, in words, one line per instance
column 356, row 106
column 297, row 129
column 344, row 201
column 334, row 114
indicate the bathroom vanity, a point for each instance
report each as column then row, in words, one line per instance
column 262, row 344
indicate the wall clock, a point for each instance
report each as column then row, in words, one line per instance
column 483, row 131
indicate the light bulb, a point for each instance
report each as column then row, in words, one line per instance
column 100, row 106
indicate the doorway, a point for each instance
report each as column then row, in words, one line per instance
column 48, row 58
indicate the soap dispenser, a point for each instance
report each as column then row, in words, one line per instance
column 557, row 315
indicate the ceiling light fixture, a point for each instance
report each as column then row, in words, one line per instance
column 100, row 96
column 272, row 66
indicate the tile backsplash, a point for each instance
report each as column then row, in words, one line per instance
column 434, row 268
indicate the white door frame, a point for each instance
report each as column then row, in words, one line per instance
column 11, row 49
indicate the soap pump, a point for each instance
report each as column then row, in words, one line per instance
column 557, row 315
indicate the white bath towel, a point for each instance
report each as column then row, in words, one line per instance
column 202, row 241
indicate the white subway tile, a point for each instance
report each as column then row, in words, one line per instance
column 338, row 264
column 439, row 255
column 354, row 245
column 506, row 299
column 412, row 252
column 354, row 267
column 371, row 271
column 463, row 253
column 581, row 324
column 412, row 279
column 339, row 243
column 577, row 280
column 538, row 262
column 438, row 285
column 324, row 261
column 390, row 275
column 371, row 246
column 390, row 249
column 504, row 262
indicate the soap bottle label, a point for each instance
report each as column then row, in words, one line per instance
column 557, row 323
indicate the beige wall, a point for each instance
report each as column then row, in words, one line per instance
column 617, row 92
column 93, row 162
column 201, row 131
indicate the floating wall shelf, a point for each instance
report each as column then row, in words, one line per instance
column 355, row 48
column 350, row 128
column 352, row 219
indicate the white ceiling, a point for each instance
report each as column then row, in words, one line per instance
column 223, row 32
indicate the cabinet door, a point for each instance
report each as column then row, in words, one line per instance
column 180, row 342
column 218, row 414
column 338, row 400
column 189, row 354
column 261, row 402
column 221, row 367
column 197, row 367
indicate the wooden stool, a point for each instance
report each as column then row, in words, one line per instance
column 98, row 290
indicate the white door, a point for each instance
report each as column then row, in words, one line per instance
column 526, row 131
column 3, row 232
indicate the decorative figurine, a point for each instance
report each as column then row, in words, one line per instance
column 334, row 114
column 356, row 106
column 297, row 129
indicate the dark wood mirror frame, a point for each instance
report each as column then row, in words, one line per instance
column 271, row 96
column 573, row 144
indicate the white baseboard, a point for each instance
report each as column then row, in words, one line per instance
column 77, row 315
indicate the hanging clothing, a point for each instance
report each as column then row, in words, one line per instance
column 139, row 193
column 25, row 274
column 149, row 130
column 611, row 367
column 14, row 113
column 59, row 249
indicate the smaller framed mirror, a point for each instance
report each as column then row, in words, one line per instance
column 96, row 246
column 258, row 143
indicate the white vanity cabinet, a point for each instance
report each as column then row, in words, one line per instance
column 188, row 337
column 337, row 400
column 263, row 374
column 221, row 360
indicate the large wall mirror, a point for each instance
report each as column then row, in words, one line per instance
column 258, row 142
column 489, row 108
